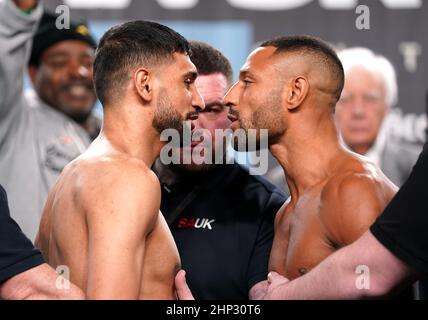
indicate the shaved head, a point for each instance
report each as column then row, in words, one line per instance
column 315, row 58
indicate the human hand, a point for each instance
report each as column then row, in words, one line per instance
column 277, row 285
column 26, row 4
column 259, row 290
column 181, row 287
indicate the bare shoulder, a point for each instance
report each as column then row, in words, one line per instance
column 117, row 173
column 358, row 179
column 353, row 198
column 117, row 185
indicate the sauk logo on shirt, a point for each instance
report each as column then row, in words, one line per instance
column 195, row 223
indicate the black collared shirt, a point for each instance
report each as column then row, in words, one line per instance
column 17, row 253
column 224, row 231
column 403, row 226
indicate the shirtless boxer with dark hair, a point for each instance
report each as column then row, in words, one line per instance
column 102, row 217
column 290, row 86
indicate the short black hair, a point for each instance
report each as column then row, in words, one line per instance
column 316, row 47
column 209, row 60
column 132, row 44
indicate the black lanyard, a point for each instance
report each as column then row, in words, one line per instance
column 210, row 182
column 183, row 204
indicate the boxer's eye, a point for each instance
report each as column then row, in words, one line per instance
column 246, row 82
column 214, row 109
column 58, row 63
column 188, row 82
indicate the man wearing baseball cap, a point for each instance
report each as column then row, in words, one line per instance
column 41, row 130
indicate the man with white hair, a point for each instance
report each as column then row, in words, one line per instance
column 366, row 119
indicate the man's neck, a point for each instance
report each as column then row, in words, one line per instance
column 133, row 135
column 307, row 155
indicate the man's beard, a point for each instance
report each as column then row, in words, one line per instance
column 268, row 115
column 166, row 116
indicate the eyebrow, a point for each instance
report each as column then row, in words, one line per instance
column 244, row 73
column 192, row 75
column 214, row 103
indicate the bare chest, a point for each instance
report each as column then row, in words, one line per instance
column 161, row 263
column 300, row 241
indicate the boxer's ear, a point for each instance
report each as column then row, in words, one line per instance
column 143, row 84
column 297, row 91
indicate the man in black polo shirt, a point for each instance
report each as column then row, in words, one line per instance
column 23, row 272
column 220, row 216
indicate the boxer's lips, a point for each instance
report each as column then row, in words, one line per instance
column 232, row 117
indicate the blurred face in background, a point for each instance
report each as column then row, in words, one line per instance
column 361, row 109
column 212, row 88
column 63, row 78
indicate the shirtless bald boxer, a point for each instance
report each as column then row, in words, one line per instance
column 290, row 86
column 102, row 217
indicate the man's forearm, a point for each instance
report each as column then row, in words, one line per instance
column 16, row 31
column 364, row 269
column 332, row 279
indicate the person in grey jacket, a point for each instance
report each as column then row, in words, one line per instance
column 39, row 132
column 366, row 118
